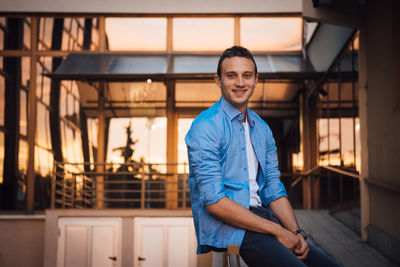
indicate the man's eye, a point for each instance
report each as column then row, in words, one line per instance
column 230, row 75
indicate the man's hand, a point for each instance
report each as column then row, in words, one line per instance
column 288, row 239
column 302, row 249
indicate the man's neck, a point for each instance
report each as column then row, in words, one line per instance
column 244, row 112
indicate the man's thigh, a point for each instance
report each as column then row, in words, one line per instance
column 264, row 250
column 260, row 250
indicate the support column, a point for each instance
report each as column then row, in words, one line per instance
column 172, row 148
column 32, row 106
column 363, row 113
column 308, row 135
column 101, row 125
column 313, row 149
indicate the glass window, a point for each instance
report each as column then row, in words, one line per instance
column 150, row 134
column 45, row 33
column 46, row 90
column 63, row 101
column 183, row 128
column 196, row 94
column 23, row 157
column 25, row 70
column 23, row 107
column 140, row 34
column 42, row 126
column 347, row 143
column 39, row 81
column 271, row 34
column 92, row 131
column 202, row 34
column 27, row 33
column 44, row 162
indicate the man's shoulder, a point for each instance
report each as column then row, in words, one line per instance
column 209, row 117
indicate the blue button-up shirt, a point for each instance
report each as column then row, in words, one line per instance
column 216, row 145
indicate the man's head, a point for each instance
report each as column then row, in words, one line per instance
column 236, row 51
column 237, row 76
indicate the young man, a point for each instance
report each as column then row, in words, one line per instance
column 237, row 196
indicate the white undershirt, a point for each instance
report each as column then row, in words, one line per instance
column 252, row 166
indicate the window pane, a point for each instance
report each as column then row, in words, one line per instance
column 42, row 130
column 141, row 34
column 27, row 34
column 150, row 134
column 63, row 101
column 271, row 34
column 23, row 121
column 202, row 34
column 347, row 142
column 25, row 72
column 23, row 157
column 200, row 94
column 183, row 128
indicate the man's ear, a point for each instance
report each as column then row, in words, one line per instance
column 256, row 79
column 217, row 80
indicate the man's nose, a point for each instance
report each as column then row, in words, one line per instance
column 239, row 82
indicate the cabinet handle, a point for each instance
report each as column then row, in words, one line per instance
column 113, row 258
column 141, row 259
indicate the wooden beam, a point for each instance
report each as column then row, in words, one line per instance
column 101, row 124
column 32, row 106
column 172, row 147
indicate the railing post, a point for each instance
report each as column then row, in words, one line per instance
column 53, row 185
column 142, row 188
column 184, row 185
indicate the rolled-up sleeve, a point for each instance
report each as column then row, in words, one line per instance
column 204, row 159
column 273, row 187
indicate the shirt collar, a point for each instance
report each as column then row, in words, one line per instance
column 233, row 112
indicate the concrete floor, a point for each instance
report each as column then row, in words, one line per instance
column 339, row 241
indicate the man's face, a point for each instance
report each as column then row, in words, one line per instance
column 237, row 81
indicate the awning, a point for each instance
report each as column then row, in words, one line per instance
column 134, row 67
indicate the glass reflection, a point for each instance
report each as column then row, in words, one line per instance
column 138, row 34
column 23, row 119
column 202, row 34
column 265, row 34
column 42, row 127
column 23, row 157
column 25, row 71
column 27, row 33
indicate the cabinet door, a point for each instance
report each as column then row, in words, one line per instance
column 94, row 242
column 164, row 242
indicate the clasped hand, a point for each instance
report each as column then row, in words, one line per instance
column 294, row 242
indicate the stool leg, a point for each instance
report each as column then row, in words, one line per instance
column 233, row 256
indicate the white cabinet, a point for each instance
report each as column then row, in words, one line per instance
column 164, row 242
column 89, row 242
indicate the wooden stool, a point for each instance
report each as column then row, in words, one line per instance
column 233, row 256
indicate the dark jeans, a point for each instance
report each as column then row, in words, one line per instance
column 264, row 250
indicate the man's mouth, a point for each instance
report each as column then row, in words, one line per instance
column 239, row 92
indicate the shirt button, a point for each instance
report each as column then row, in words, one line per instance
column 243, row 148
column 245, row 169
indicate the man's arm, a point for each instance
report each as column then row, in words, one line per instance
column 284, row 212
column 233, row 213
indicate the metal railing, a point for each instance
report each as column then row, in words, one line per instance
column 150, row 185
column 338, row 188
column 120, row 185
